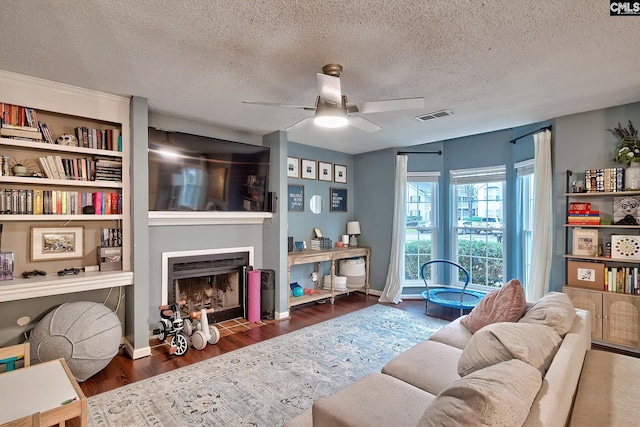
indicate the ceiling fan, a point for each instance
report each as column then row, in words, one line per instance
column 332, row 109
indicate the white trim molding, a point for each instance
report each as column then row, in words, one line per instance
column 168, row 218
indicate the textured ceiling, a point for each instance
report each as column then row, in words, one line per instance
column 495, row 63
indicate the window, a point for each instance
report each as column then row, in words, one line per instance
column 420, row 224
column 478, row 223
column 525, row 190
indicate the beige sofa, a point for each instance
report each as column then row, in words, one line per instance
column 410, row 384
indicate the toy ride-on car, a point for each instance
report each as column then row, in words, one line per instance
column 172, row 325
column 200, row 330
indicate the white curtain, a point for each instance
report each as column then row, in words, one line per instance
column 543, row 218
column 393, row 288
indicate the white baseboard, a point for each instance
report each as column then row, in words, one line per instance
column 282, row 315
column 136, row 353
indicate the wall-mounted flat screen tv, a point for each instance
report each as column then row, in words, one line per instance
column 196, row 173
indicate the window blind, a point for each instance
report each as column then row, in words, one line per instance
column 524, row 167
column 423, row 176
column 478, row 175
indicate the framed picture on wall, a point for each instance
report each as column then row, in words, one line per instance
column 338, row 199
column 309, row 169
column 340, row 174
column 325, row 171
column 293, row 167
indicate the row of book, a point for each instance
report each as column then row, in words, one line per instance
column 81, row 168
column 111, row 237
column 622, row 280
column 18, row 122
column 609, row 180
column 6, row 265
column 58, row 202
column 102, row 139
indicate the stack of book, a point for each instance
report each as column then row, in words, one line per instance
column 108, row 169
column 622, row 280
column 610, row 180
column 581, row 214
column 110, row 251
column 321, row 243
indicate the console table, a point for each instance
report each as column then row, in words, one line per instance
column 310, row 256
column 43, row 394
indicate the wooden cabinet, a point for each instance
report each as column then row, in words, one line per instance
column 64, row 108
column 615, row 318
column 334, row 255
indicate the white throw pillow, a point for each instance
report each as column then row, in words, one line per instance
column 555, row 309
column 534, row 344
column 500, row 395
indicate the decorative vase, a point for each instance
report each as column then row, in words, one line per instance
column 20, row 170
column 632, row 176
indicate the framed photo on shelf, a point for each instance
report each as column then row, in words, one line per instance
column 325, row 171
column 585, row 242
column 317, row 232
column 293, row 167
column 49, row 244
column 309, row 169
column 340, row 174
column 626, row 210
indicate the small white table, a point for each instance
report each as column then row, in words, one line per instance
column 36, row 394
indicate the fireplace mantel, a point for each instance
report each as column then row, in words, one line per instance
column 168, row 218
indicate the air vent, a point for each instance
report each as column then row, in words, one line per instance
column 434, row 115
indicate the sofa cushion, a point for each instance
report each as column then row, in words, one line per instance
column 506, row 304
column 454, row 334
column 499, row 395
column 533, row 344
column 554, row 309
column 375, row 400
column 430, row 366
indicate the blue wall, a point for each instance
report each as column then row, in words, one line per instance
column 332, row 224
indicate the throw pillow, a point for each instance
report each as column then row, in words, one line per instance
column 535, row 345
column 500, row 395
column 555, row 309
column 506, row 304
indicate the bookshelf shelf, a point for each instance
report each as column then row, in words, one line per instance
column 43, row 146
column 21, row 218
column 52, row 284
column 60, row 182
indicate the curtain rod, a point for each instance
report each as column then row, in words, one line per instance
column 513, row 141
column 421, row 152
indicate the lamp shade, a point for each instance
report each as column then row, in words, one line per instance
column 353, row 227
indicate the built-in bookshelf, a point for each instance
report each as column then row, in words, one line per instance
column 74, row 144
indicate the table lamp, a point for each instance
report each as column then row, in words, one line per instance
column 353, row 228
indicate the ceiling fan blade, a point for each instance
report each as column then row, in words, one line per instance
column 363, row 124
column 389, row 105
column 329, row 88
column 271, row 104
column 299, row 124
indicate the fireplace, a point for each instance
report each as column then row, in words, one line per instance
column 213, row 279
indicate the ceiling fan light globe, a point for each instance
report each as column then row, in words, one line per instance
column 327, row 121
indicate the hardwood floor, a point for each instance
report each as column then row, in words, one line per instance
column 123, row 370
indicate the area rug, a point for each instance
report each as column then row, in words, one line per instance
column 267, row 383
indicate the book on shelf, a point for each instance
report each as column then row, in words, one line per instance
column 6, row 265
column 46, row 133
column 604, row 180
column 17, row 127
column 34, row 135
column 110, row 258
